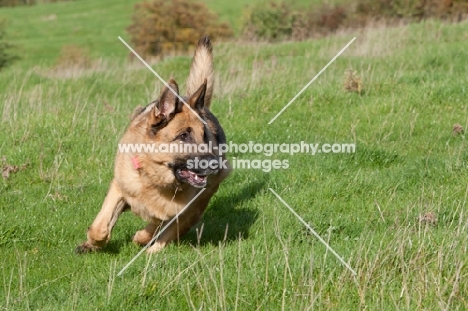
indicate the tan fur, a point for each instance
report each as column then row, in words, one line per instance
column 152, row 191
column 201, row 69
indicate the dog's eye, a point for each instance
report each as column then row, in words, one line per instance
column 185, row 136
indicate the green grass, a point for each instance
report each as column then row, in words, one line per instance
column 252, row 253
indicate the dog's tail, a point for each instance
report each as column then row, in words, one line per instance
column 201, row 69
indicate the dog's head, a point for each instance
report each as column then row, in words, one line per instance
column 180, row 138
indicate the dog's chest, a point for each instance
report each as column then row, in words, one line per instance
column 152, row 205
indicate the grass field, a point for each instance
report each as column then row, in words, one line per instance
column 249, row 252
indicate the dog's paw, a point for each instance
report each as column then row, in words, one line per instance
column 85, row 248
column 156, row 247
column 142, row 238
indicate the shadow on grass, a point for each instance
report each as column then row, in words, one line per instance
column 226, row 219
column 114, row 246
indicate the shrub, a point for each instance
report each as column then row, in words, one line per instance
column 13, row 3
column 160, row 27
column 276, row 21
column 270, row 22
column 6, row 56
column 411, row 9
column 319, row 21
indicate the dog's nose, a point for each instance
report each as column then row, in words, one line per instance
column 207, row 164
column 209, row 157
column 212, row 161
column 213, row 164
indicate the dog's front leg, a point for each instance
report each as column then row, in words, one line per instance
column 100, row 231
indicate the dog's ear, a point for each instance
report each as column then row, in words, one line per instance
column 197, row 100
column 168, row 101
column 167, row 105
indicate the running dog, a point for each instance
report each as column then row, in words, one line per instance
column 157, row 185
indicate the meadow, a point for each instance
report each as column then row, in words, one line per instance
column 396, row 210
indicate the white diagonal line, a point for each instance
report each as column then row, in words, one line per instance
column 162, row 80
column 159, row 233
column 313, row 79
column 315, row 233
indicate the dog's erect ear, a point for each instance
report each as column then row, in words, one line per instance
column 166, row 107
column 169, row 102
column 197, row 100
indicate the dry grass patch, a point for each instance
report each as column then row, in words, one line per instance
column 74, row 62
column 352, row 82
column 7, row 169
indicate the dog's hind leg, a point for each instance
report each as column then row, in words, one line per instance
column 100, row 231
column 142, row 237
column 185, row 221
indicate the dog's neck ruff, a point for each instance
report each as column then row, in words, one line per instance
column 136, row 163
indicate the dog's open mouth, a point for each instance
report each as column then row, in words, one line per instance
column 194, row 179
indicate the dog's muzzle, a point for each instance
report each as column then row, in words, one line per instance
column 196, row 169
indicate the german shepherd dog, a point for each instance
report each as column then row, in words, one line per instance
column 157, row 185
